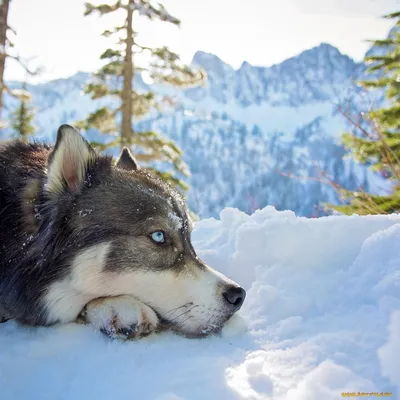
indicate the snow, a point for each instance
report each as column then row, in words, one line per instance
column 321, row 317
column 143, row 10
column 176, row 221
column 389, row 352
column 279, row 118
column 21, row 94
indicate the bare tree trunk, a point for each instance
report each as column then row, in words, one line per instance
column 4, row 4
column 126, row 128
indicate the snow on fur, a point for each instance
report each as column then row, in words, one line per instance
column 322, row 317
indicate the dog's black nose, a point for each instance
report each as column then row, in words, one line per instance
column 235, row 296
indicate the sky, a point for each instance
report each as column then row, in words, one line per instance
column 261, row 32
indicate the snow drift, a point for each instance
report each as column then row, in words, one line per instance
column 322, row 317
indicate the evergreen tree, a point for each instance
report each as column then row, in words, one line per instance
column 23, row 116
column 376, row 142
column 116, row 79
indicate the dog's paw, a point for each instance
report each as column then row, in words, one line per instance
column 122, row 317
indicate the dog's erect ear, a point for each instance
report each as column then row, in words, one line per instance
column 69, row 161
column 127, row 161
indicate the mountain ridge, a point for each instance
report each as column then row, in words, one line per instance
column 242, row 129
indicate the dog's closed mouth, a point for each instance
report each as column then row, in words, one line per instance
column 200, row 333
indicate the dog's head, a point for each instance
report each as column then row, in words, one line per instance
column 128, row 232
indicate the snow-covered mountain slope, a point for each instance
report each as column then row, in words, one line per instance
column 245, row 130
column 316, row 75
column 321, row 318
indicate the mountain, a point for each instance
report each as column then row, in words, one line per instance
column 245, row 130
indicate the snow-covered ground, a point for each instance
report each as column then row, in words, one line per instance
column 322, row 317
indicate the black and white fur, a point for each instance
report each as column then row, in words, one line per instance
column 76, row 244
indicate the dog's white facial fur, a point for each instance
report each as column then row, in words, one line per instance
column 189, row 300
column 65, row 299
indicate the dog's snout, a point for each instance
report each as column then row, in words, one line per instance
column 235, row 296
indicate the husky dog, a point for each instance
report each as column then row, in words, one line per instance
column 82, row 239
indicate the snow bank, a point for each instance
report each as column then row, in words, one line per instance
column 390, row 352
column 322, row 317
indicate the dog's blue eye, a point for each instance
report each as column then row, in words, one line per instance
column 158, row 237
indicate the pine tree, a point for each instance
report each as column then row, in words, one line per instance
column 23, row 116
column 376, row 141
column 116, row 79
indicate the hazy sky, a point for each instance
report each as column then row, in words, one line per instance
column 262, row 32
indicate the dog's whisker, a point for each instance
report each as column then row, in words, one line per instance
column 186, row 312
column 180, row 315
column 190, row 309
column 190, row 316
column 177, row 308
